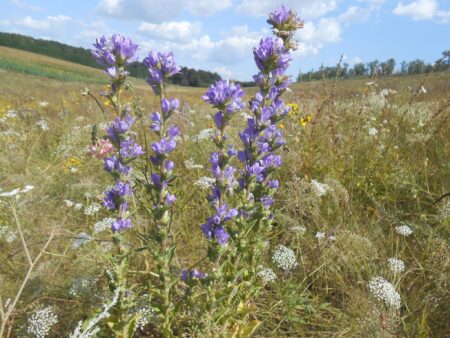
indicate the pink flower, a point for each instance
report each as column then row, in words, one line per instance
column 101, row 149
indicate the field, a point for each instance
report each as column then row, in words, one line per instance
column 363, row 159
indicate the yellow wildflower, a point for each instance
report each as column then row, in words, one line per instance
column 72, row 164
column 305, row 120
column 294, row 109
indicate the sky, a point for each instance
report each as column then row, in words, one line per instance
column 218, row 35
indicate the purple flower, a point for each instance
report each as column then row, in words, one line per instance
column 267, row 201
column 284, row 19
column 279, row 16
column 219, row 120
column 119, row 127
column 273, row 184
column 185, row 274
column 130, row 149
column 113, row 163
column 271, row 56
column 121, row 224
column 160, row 67
column 225, row 95
column 221, row 235
column 156, row 122
column 164, row 146
column 156, row 179
column 272, row 161
column 170, row 199
column 115, row 197
column 215, row 232
column 168, row 107
column 250, row 133
column 173, row 131
column 169, row 165
column 114, row 53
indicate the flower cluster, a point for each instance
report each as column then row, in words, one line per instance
column 284, row 258
column 284, row 22
column 403, row 230
column 118, row 148
column 161, row 66
column 396, row 265
column 41, row 322
column 226, row 97
column 382, row 290
column 262, row 137
column 266, row 274
column 118, row 167
column 114, row 53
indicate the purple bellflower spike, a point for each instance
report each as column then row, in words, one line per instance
column 114, row 53
column 225, row 96
column 284, row 19
column 160, row 67
column 271, row 56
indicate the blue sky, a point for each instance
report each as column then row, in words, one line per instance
column 218, row 35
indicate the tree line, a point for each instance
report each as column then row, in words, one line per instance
column 187, row 77
column 377, row 68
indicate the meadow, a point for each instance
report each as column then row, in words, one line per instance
column 363, row 194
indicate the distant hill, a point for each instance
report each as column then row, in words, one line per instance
column 188, row 76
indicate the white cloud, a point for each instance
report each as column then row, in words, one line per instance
column 231, row 49
column 50, row 23
column 320, row 33
column 172, row 30
column 207, row 7
column 224, row 72
column 155, row 11
column 92, row 31
column 59, row 18
column 27, row 6
column 422, row 10
column 306, row 9
column 34, row 24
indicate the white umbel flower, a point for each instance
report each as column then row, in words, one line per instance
column 43, row 125
column 92, row 209
column 267, row 275
column 319, row 188
column 205, row 182
column 403, row 230
column 82, row 239
column 396, row 265
column 384, row 291
column 41, row 322
column 204, row 134
column 103, row 225
column 284, row 258
column 373, row 132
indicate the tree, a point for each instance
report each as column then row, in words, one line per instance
column 359, row 69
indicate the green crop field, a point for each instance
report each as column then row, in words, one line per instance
column 363, row 157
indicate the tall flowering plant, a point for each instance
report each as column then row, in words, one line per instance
column 244, row 230
column 226, row 97
column 118, row 149
column 159, row 240
column 262, row 137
